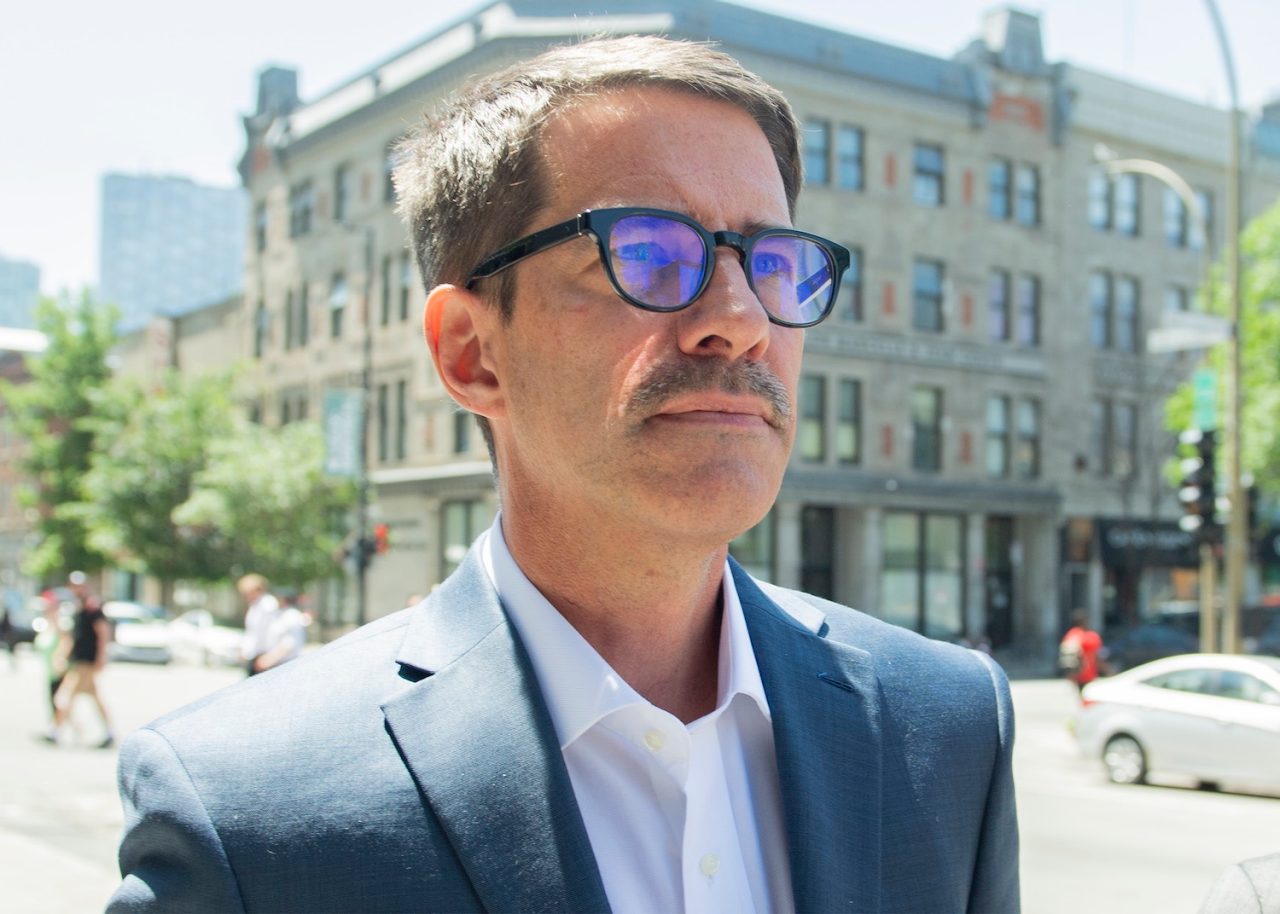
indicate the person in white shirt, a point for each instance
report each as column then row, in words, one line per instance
column 600, row 710
column 273, row 634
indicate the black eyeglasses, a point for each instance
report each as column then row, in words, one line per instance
column 662, row 261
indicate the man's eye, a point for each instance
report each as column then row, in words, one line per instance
column 643, row 252
column 769, row 264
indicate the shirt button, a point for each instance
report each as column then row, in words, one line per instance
column 654, row 740
column 709, row 864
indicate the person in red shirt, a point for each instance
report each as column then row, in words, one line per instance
column 1080, row 651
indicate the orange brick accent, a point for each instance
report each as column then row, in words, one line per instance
column 1018, row 110
column 890, row 170
column 968, row 185
column 886, row 440
column 888, row 298
column 966, row 310
column 966, row 447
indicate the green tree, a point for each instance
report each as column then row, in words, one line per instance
column 152, row 441
column 1260, row 352
column 266, row 493
column 49, row 412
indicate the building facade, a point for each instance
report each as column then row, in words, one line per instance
column 168, row 244
column 980, row 440
column 19, row 292
column 17, row 346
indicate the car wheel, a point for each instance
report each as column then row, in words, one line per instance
column 1125, row 761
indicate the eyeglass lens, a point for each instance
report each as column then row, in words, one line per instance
column 662, row 262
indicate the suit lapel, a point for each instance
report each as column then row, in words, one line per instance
column 825, row 701
column 481, row 746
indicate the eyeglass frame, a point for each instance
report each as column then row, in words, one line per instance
column 599, row 224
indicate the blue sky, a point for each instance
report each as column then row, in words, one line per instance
column 152, row 86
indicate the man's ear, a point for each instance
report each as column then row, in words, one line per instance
column 461, row 330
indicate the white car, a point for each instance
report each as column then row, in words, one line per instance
column 1210, row 717
column 196, row 637
column 137, row 632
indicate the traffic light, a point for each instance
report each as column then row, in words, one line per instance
column 381, row 538
column 1196, row 491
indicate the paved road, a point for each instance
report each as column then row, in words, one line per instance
column 1087, row 845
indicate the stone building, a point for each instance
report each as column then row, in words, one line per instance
column 980, row 437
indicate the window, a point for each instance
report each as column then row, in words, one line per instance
column 341, row 192
column 1124, row 417
column 289, row 329
column 389, row 160
column 301, row 201
column 261, row 322
column 461, row 432
column 927, row 189
column 385, row 314
column 460, row 523
column 817, row 150
column 1202, row 228
column 337, row 304
column 753, row 550
column 998, row 189
column 303, row 323
column 849, row 422
column 1026, row 455
column 926, row 314
column 1028, row 301
column 1027, row 187
column 997, row 456
column 1100, row 193
column 1100, row 435
column 1176, row 299
column 922, row 584
column 1175, row 219
column 384, row 423
column 260, row 227
column 998, row 324
column 1126, row 201
column 1126, row 329
column 850, row 305
column 402, row 420
column 1100, row 310
column 810, row 436
column 926, row 429
column 406, row 284
column 849, row 157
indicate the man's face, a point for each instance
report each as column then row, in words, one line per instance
column 615, row 414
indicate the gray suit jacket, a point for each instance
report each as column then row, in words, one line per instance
column 1249, row 887
column 413, row 766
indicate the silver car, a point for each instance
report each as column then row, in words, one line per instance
column 1210, row 717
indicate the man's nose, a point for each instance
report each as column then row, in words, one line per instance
column 728, row 319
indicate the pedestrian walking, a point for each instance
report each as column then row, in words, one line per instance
column 273, row 634
column 86, row 657
column 1081, row 652
column 52, row 645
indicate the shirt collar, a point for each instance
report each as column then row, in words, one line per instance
column 579, row 685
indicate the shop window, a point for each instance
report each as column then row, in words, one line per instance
column 460, row 522
column 817, row 551
column 922, row 581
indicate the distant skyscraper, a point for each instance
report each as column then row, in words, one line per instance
column 19, row 289
column 168, row 244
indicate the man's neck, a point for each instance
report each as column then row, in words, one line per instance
column 650, row 608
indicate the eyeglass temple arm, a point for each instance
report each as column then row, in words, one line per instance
column 527, row 246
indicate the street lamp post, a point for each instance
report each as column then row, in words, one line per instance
column 364, row 544
column 1237, row 522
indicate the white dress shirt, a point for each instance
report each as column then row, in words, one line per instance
column 680, row 818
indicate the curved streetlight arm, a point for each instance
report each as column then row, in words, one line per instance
column 1165, row 175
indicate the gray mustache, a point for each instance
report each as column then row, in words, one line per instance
column 698, row 375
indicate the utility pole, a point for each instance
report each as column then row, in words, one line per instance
column 364, row 544
column 1237, row 523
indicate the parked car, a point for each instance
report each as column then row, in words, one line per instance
column 138, row 632
column 196, row 637
column 1146, row 642
column 1211, row 717
column 21, row 615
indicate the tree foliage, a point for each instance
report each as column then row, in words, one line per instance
column 49, row 412
column 182, row 486
column 1260, row 352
